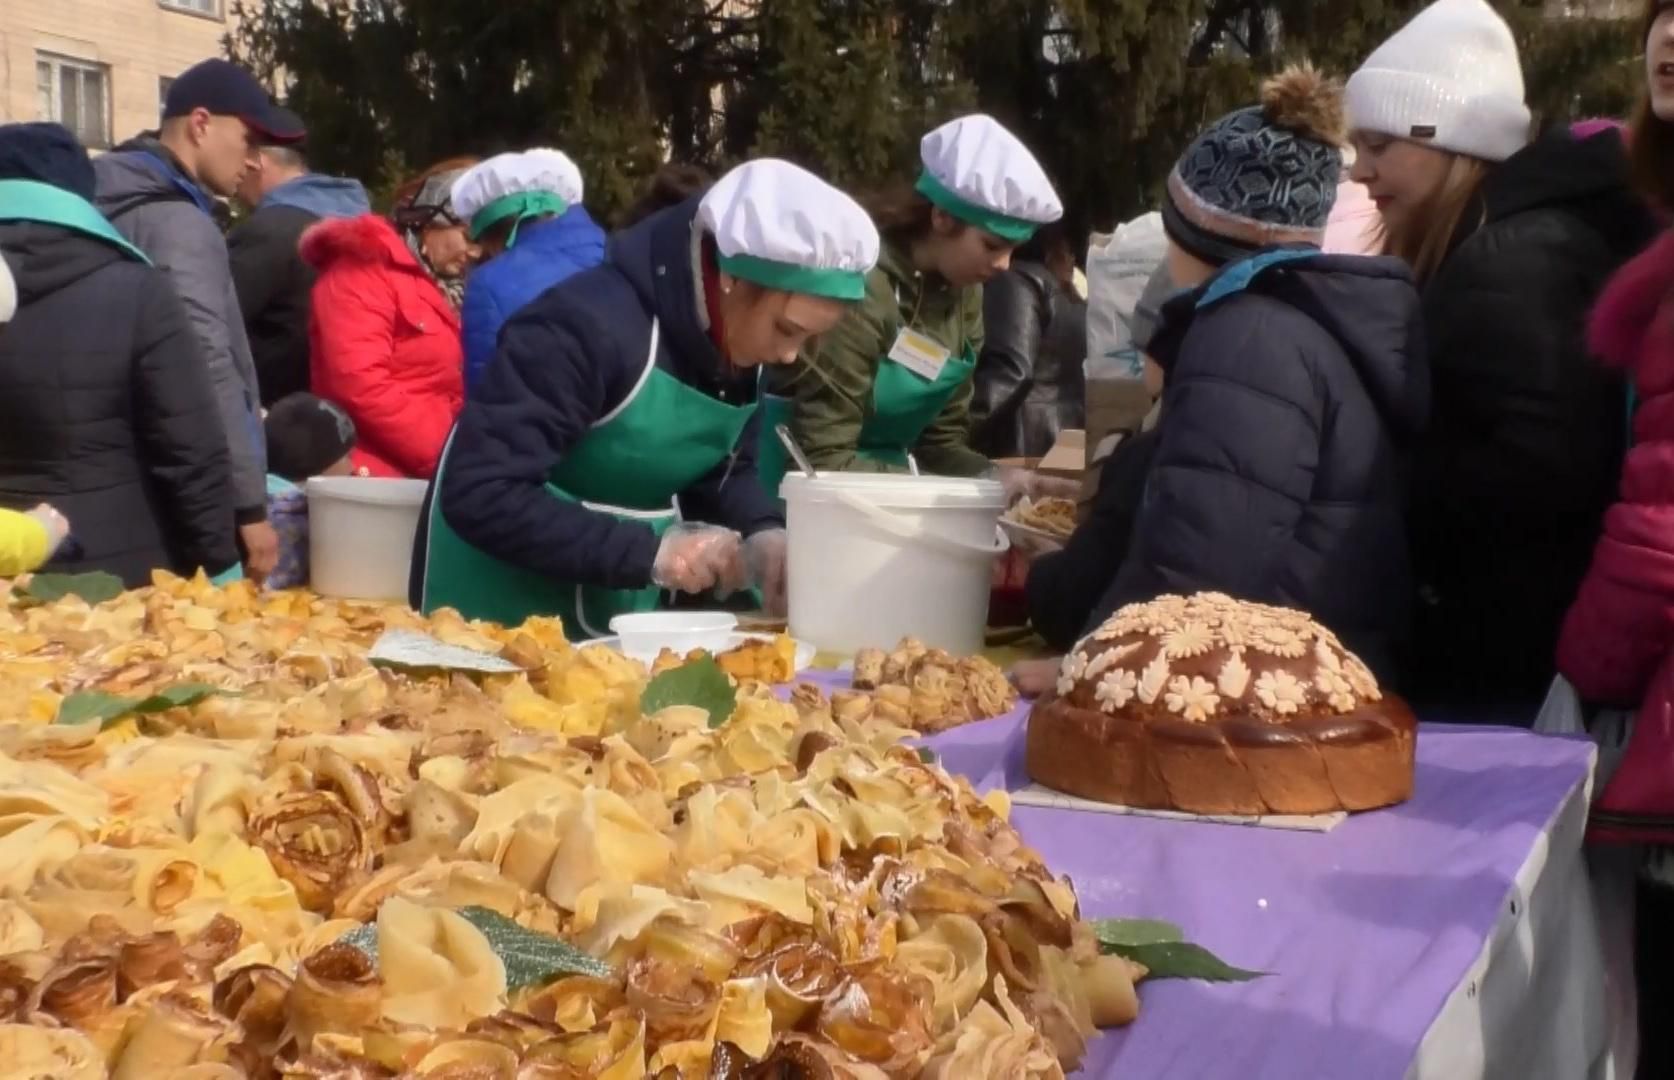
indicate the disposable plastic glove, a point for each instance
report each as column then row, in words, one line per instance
column 56, row 525
column 764, row 554
column 1019, row 482
column 695, row 558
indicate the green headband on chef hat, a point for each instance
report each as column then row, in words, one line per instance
column 520, row 205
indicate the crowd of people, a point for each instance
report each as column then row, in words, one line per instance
column 1415, row 364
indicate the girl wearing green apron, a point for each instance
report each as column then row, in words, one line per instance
column 894, row 377
column 607, row 457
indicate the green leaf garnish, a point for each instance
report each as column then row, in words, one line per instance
column 95, row 588
column 86, row 706
column 531, row 958
column 700, row 683
column 365, row 938
column 1131, row 932
column 927, row 755
column 1182, row 960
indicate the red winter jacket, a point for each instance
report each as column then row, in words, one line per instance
column 385, row 345
column 1620, row 628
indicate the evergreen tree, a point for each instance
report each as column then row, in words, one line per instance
column 1106, row 92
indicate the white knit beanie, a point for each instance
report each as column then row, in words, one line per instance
column 1450, row 78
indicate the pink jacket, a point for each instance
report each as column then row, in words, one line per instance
column 1620, row 628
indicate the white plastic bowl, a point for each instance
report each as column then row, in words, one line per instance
column 680, row 631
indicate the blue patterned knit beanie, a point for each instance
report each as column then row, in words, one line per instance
column 1263, row 175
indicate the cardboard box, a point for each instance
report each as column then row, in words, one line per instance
column 1116, row 408
column 1068, row 456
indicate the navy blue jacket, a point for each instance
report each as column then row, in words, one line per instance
column 546, row 253
column 566, row 360
column 1297, row 389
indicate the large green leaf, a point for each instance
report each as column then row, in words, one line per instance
column 1182, row 960
column 88, row 705
column 531, row 958
column 95, row 588
column 1127, row 933
column 700, row 683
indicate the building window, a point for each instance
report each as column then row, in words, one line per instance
column 163, row 84
column 75, row 93
column 208, row 8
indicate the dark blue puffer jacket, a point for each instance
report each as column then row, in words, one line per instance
column 546, row 253
column 1297, row 389
column 566, row 360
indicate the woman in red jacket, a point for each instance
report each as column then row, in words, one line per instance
column 1617, row 643
column 384, row 331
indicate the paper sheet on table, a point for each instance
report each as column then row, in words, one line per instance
column 1037, row 795
column 411, row 649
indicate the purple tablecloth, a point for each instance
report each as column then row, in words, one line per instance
column 1368, row 928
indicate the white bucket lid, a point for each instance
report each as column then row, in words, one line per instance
column 899, row 492
column 372, row 490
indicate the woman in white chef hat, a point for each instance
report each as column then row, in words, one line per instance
column 524, row 212
column 894, row 378
column 629, row 387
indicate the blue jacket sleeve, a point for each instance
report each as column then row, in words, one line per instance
column 479, row 315
column 731, row 493
column 537, row 399
column 1237, row 447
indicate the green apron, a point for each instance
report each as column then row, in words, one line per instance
column 904, row 404
column 631, row 465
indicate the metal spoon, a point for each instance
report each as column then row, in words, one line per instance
column 795, row 452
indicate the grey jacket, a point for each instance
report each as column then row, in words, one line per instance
column 152, row 202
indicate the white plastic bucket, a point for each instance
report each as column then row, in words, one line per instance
column 360, row 535
column 875, row 558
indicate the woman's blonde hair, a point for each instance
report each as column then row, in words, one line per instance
column 1425, row 241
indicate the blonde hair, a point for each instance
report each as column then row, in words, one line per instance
column 1423, row 244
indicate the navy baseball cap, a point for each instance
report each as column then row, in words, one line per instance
column 225, row 89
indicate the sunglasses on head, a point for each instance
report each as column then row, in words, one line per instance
column 423, row 217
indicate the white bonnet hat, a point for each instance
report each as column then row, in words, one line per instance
column 1450, row 78
column 782, row 227
column 516, row 185
column 983, row 175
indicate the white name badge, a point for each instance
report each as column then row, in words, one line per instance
column 919, row 354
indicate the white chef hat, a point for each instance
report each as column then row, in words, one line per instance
column 516, row 186
column 8, row 293
column 783, row 227
column 983, row 175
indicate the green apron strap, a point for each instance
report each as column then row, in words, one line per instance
column 30, row 200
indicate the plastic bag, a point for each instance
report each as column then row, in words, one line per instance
column 1118, row 266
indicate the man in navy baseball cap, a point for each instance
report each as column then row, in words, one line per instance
column 160, row 191
column 222, row 88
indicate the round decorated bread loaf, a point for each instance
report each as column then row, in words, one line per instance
column 1210, row 705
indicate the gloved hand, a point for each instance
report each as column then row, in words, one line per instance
column 696, row 558
column 764, row 554
column 56, row 525
column 1019, row 482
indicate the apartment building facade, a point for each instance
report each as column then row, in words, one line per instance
column 101, row 67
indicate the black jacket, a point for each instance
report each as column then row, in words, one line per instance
column 565, row 360
column 274, row 283
column 1030, row 383
column 106, row 410
column 1527, row 434
column 1296, row 391
column 1065, row 587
